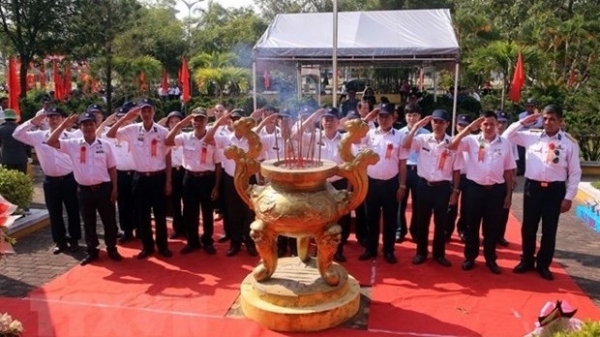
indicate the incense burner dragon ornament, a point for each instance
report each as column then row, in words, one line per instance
column 299, row 202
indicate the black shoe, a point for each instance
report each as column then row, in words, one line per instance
column 419, row 259
column 233, row 250
column 113, row 254
column 339, row 257
column 463, row 237
column 188, row 249
column 165, row 252
column 523, row 267
column 223, row 239
column 400, row 238
column 210, row 249
column 59, row 248
column 502, row 242
column 362, row 243
column 493, row 267
column 119, row 235
column 443, row 261
column 367, row 255
column 144, row 254
column 176, row 235
column 89, row 258
column 545, row 273
column 468, row 265
column 251, row 250
column 390, row 258
column 126, row 238
column 74, row 246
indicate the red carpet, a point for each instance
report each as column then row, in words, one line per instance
column 190, row 295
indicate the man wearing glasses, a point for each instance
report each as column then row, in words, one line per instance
column 552, row 175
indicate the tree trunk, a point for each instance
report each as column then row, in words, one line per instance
column 23, row 75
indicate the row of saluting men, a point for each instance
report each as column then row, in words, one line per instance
column 136, row 163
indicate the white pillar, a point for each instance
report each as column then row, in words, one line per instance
column 455, row 101
column 334, row 54
column 254, row 98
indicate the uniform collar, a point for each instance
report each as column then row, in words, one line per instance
column 336, row 137
column 445, row 140
column 96, row 141
column 496, row 139
column 154, row 127
column 559, row 135
column 379, row 131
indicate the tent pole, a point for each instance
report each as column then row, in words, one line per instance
column 455, row 100
column 299, row 79
column 334, row 55
column 319, row 88
column 254, row 98
column 434, row 75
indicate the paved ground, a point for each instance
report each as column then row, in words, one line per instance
column 578, row 249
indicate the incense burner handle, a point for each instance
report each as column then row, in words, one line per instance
column 246, row 164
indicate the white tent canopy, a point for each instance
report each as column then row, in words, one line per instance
column 410, row 35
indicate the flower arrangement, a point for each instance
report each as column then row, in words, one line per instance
column 6, row 242
column 10, row 327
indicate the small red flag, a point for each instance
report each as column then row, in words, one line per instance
column 13, row 86
column 165, row 82
column 43, row 76
column 66, row 80
column 185, row 81
column 518, row 80
column 58, row 83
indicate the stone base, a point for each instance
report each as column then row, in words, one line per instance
column 34, row 220
column 297, row 299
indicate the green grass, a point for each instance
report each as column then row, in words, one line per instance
column 596, row 184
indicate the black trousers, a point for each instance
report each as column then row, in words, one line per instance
column 460, row 209
column 92, row 199
column 149, row 197
column 175, row 200
column 412, row 181
column 486, row 204
column 381, row 198
column 503, row 223
column 238, row 216
column 521, row 162
column 344, row 221
column 127, row 218
column 21, row 167
column 196, row 196
column 541, row 201
column 360, row 223
column 59, row 191
column 432, row 198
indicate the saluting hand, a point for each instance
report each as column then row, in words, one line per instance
column 110, row 120
column 371, row 115
column 476, row 124
column 531, row 119
column 224, row 119
column 423, row 122
column 38, row 120
column 257, row 114
column 187, row 120
column 162, row 121
column 132, row 114
column 70, row 121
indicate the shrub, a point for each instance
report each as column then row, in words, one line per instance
column 16, row 187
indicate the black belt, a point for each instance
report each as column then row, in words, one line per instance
column 435, row 183
column 130, row 172
column 49, row 178
column 545, row 184
column 411, row 167
column 382, row 181
column 200, row 174
column 486, row 187
column 93, row 188
column 151, row 174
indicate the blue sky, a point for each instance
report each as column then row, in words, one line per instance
column 225, row 3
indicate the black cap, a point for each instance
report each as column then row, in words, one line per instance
column 387, row 108
column 144, row 102
column 237, row 114
column 440, row 114
column 305, row 110
column 94, row 108
column 332, row 112
column 87, row 116
column 46, row 99
column 128, row 106
column 174, row 114
column 120, row 112
column 502, row 116
column 531, row 101
column 352, row 115
column 463, row 119
column 285, row 113
column 55, row 111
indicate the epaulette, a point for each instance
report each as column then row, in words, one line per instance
column 536, row 130
column 571, row 137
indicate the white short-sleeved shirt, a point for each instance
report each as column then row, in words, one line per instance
column 122, row 153
column 148, row 148
column 54, row 163
column 90, row 161
column 548, row 159
column 198, row 156
column 487, row 161
column 222, row 142
column 435, row 162
column 388, row 146
column 413, row 155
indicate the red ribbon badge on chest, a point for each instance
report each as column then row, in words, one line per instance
column 203, row 154
column 82, row 154
column 550, row 153
column 442, row 161
column 154, row 148
column 481, row 153
column 388, row 151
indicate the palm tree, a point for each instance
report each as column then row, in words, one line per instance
column 217, row 69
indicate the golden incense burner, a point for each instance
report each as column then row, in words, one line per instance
column 298, row 202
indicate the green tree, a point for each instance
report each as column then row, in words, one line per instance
column 30, row 26
column 217, row 69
